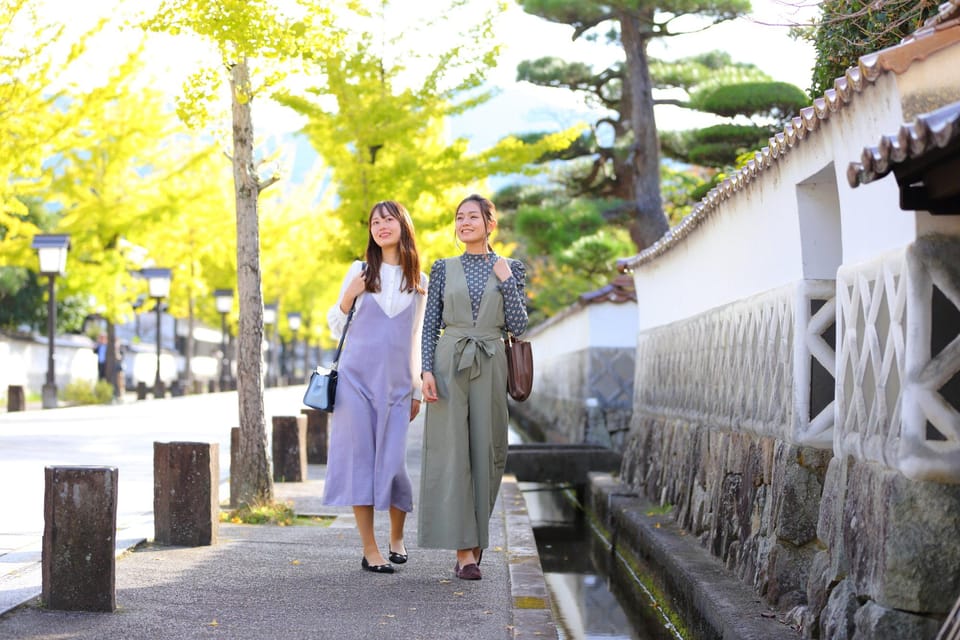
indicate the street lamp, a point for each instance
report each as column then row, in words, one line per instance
column 293, row 321
column 224, row 300
column 52, row 254
column 270, row 319
column 158, row 283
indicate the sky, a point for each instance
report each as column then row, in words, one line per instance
column 516, row 107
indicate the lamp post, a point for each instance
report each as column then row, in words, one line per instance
column 270, row 320
column 224, row 300
column 158, row 283
column 52, row 254
column 293, row 321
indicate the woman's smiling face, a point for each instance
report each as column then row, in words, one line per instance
column 384, row 228
column 471, row 225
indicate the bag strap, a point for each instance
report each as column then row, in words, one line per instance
column 336, row 358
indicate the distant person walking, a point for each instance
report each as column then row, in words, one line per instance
column 378, row 392
column 474, row 298
column 101, row 350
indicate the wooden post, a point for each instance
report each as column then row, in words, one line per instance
column 234, row 465
column 317, row 422
column 289, row 448
column 16, row 401
column 79, row 538
column 186, row 493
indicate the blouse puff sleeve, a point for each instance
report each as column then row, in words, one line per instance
column 421, row 302
column 336, row 319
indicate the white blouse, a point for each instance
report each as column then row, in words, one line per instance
column 392, row 300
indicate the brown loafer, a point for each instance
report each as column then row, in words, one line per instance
column 468, row 572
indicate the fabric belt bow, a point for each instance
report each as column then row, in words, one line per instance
column 468, row 348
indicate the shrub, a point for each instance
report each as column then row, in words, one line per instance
column 82, row 392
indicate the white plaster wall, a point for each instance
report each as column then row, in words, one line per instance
column 779, row 229
column 613, row 325
column 872, row 221
column 569, row 335
column 596, row 325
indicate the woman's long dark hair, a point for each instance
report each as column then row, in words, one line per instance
column 488, row 210
column 409, row 257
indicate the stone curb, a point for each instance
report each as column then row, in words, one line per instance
column 710, row 600
column 532, row 612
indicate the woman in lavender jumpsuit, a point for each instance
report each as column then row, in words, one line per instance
column 377, row 392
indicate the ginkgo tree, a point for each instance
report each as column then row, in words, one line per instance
column 383, row 129
column 111, row 189
column 38, row 119
column 258, row 36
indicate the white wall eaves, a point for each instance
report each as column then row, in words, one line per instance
column 939, row 32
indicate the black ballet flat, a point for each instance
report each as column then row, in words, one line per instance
column 398, row 558
column 376, row 568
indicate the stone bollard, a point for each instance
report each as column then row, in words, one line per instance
column 186, row 493
column 16, row 400
column 317, row 422
column 289, row 448
column 141, row 390
column 79, row 538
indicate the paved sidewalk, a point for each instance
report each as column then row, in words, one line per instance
column 263, row 581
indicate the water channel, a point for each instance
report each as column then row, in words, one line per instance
column 577, row 563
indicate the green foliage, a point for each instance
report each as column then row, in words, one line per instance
column 683, row 187
column 848, row 29
column 778, row 100
column 262, row 512
column 571, row 248
column 703, row 70
column 385, row 136
column 715, row 146
column 549, row 229
column 83, row 392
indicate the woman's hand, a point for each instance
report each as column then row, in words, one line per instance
column 414, row 409
column 502, row 269
column 429, row 387
column 354, row 289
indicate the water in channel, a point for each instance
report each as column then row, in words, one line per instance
column 577, row 564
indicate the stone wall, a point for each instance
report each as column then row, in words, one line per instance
column 586, row 397
column 842, row 503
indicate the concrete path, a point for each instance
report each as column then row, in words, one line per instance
column 258, row 581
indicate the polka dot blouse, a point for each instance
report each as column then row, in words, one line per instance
column 477, row 268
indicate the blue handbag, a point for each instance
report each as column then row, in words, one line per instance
column 321, row 390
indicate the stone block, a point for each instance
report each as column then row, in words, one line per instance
column 317, row 424
column 289, row 448
column 874, row 621
column 79, row 537
column 16, row 400
column 186, row 498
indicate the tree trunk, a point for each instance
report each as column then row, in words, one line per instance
column 649, row 222
column 254, row 481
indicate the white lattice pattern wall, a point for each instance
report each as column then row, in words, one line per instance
column 897, row 363
column 745, row 366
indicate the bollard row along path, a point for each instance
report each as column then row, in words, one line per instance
column 229, row 580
